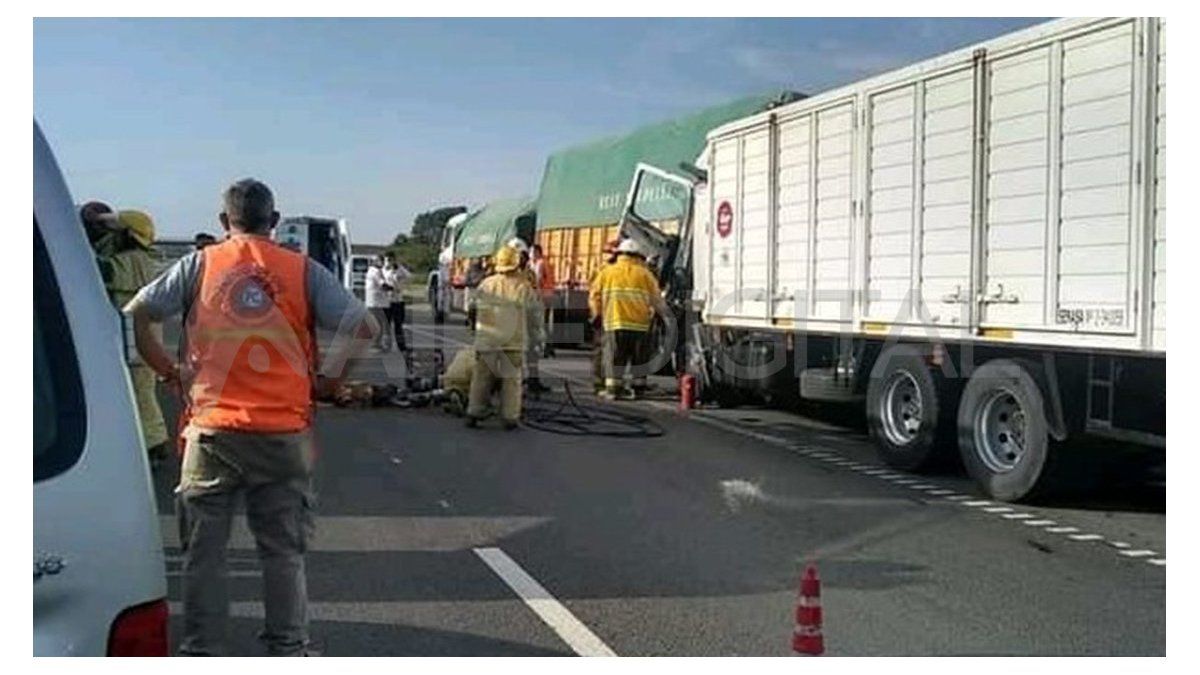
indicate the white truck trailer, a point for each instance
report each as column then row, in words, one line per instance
column 973, row 248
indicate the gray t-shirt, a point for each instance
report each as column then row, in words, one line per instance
column 332, row 306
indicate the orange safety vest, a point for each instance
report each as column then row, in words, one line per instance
column 250, row 351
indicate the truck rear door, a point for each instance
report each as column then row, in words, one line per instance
column 1061, row 231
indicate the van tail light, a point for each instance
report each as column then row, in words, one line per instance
column 140, row 630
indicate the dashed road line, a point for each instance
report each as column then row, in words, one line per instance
column 1009, row 513
column 578, row 636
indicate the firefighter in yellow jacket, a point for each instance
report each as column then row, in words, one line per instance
column 626, row 296
column 124, row 273
column 508, row 318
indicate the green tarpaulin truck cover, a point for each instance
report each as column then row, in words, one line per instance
column 486, row 230
column 585, row 185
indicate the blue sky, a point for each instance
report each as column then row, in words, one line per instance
column 379, row 119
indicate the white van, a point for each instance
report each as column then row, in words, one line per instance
column 356, row 281
column 99, row 582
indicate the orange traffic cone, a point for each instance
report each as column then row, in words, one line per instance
column 807, row 638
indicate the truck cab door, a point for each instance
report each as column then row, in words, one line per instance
column 658, row 215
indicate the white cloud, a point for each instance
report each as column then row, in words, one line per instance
column 824, row 63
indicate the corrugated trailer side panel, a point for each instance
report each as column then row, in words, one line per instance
column 793, row 176
column 890, row 209
column 1098, row 199
column 754, row 224
column 726, row 156
column 1159, row 286
column 943, row 275
column 1018, row 147
column 1055, row 194
column 832, row 285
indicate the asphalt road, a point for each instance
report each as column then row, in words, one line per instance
column 438, row 540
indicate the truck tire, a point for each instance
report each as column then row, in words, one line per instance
column 905, row 411
column 1003, row 435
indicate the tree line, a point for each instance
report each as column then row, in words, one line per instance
column 418, row 248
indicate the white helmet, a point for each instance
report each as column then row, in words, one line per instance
column 629, row 246
column 519, row 244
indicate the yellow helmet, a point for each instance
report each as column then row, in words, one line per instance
column 139, row 225
column 506, row 259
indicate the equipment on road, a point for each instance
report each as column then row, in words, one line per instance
column 568, row 417
column 919, row 244
column 807, row 639
column 687, row 391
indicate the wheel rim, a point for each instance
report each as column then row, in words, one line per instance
column 1000, row 431
column 901, row 409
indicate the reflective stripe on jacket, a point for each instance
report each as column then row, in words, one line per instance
column 250, row 352
column 623, row 293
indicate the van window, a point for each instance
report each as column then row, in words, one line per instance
column 59, row 418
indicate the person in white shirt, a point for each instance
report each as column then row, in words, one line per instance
column 378, row 296
column 396, row 276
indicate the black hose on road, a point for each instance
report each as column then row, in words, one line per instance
column 569, row 417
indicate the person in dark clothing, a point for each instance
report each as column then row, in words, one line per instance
column 203, row 239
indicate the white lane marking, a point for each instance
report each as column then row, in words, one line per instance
column 1160, row 562
column 551, row 611
column 1118, row 544
column 1139, row 553
column 836, row 459
column 232, row 574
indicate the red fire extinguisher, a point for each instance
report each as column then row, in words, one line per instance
column 687, row 391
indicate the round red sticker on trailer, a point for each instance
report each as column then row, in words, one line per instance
column 724, row 219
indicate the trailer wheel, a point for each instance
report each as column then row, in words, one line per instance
column 1003, row 435
column 904, row 410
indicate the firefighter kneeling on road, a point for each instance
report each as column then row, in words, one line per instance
column 626, row 294
column 507, row 319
